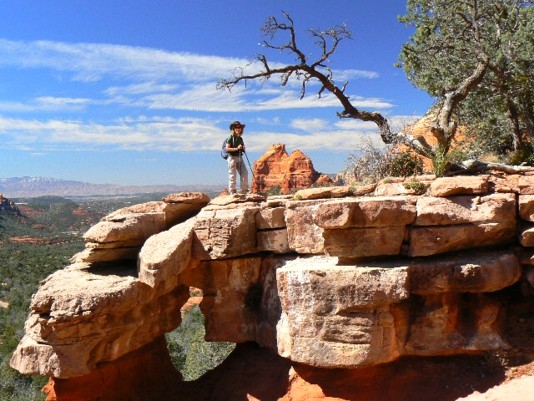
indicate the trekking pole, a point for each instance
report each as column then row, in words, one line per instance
column 252, row 171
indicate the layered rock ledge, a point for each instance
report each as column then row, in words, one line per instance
column 332, row 277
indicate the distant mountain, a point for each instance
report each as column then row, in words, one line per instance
column 20, row 187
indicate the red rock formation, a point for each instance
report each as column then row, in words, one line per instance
column 145, row 374
column 422, row 128
column 289, row 172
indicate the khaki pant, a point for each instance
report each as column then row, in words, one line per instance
column 236, row 165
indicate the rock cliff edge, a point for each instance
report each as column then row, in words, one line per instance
column 338, row 291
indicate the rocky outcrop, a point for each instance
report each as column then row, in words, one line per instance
column 278, row 170
column 8, row 206
column 323, row 279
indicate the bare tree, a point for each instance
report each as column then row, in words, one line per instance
column 305, row 70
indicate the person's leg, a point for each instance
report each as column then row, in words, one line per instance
column 231, row 174
column 243, row 175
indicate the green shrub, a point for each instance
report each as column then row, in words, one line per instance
column 276, row 190
column 404, row 164
column 523, row 155
column 417, row 186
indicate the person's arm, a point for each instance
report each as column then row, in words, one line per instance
column 238, row 148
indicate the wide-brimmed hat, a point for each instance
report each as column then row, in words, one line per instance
column 236, row 124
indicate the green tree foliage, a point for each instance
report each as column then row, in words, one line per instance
column 475, row 58
column 22, row 267
column 190, row 353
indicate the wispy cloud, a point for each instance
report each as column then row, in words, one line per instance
column 91, row 62
column 158, row 79
column 173, row 134
column 163, row 82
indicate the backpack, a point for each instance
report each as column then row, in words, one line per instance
column 224, row 153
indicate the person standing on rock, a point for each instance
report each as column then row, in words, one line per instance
column 235, row 146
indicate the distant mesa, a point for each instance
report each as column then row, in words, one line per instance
column 277, row 169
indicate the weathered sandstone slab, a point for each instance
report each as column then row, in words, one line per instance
column 82, row 316
column 270, row 217
column 364, row 242
column 165, row 255
column 119, row 235
column 225, row 233
column 526, row 207
column 304, row 236
column 275, row 241
column 493, row 208
column 366, row 212
column 336, row 316
column 464, row 272
column 426, row 241
column 460, row 185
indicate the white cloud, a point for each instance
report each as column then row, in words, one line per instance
column 346, row 75
column 171, row 134
column 140, row 89
column 90, row 62
column 311, row 124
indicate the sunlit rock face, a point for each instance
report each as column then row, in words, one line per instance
column 276, row 169
column 324, row 279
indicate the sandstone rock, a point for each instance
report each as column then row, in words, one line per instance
column 526, row 184
column 132, row 229
column 331, row 192
column 364, row 242
column 225, row 199
column 504, row 183
column 526, row 207
column 270, row 217
column 97, row 253
column 437, row 211
column 120, row 234
column 304, row 236
column 225, row 233
column 460, row 185
column 338, row 316
column 313, row 193
column 472, row 272
column 392, row 189
column 275, row 241
column 193, row 198
column 226, row 303
column 251, row 257
column 426, row 241
column 324, row 180
column 165, row 255
column 366, row 212
column 278, row 169
column 452, row 323
column 82, row 316
column 358, row 190
column 147, row 372
column 526, row 235
column 518, row 390
column 270, row 309
column 134, row 224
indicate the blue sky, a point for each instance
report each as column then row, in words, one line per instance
column 124, row 91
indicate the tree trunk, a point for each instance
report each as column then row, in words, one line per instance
column 513, row 120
